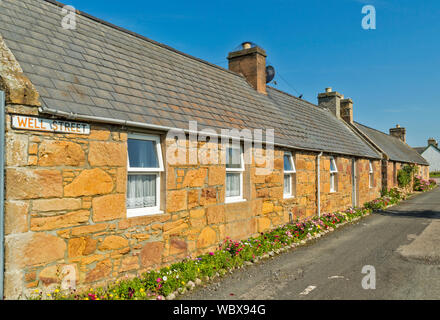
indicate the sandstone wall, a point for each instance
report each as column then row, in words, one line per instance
column 65, row 205
column 391, row 174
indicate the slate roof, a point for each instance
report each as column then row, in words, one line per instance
column 104, row 71
column 420, row 150
column 393, row 147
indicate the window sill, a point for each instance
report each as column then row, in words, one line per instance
column 288, row 196
column 133, row 213
column 234, row 200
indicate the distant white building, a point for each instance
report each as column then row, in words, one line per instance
column 432, row 154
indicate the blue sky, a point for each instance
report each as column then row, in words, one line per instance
column 391, row 73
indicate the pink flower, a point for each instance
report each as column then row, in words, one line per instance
column 211, row 253
column 158, row 280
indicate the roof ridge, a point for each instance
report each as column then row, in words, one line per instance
column 292, row 96
column 390, row 136
column 137, row 35
column 437, row 148
column 374, row 129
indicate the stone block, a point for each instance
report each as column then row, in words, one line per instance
column 263, row 224
column 216, row 176
column 176, row 200
column 31, row 249
column 102, row 270
column 111, row 154
column 61, row 221
column 195, row 178
column 16, row 213
column 89, row 182
column 208, row 196
column 207, row 238
column 16, row 150
column 81, row 247
column 193, row 198
column 60, row 153
column 151, row 254
column 129, row 263
column 33, row 183
column 61, row 204
column 113, row 242
column 215, row 214
column 108, row 207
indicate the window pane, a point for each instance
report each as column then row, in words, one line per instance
column 233, row 184
column 142, row 153
column 287, row 163
column 332, row 165
column 332, row 182
column 233, row 158
column 141, row 191
column 287, row 184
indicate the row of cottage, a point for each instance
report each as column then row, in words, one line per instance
column 90, row 174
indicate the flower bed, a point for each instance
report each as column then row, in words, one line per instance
column 423, row 185
column 392, row 197
column 185, row 275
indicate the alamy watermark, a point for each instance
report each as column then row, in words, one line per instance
column 69, row 20
column 369, row 20
column 68, row 274
column 369, row 281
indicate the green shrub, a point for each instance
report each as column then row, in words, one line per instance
column 434, row 174
column 405, row 175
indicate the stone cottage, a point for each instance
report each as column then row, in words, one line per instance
column 396, row 153
column 432, row 154
column 88, row 179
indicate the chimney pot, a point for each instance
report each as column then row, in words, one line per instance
column 329, row 89
column 246, row 45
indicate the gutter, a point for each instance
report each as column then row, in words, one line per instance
column 2, row 195
column 318, row 196
column 127, row 123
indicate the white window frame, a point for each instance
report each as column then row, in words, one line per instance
column 235, row 170
column 371, row 174
column 333, row 174
column 290, row 173
column 137, row 212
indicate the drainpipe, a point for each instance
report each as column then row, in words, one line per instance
column 318, row 170
column 2, row 195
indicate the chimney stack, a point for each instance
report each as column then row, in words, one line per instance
column 347, row 110
column 251, row 63
column 331, row 100
column 433, row 142
column 398, row 132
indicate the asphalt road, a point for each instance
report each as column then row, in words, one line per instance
column 402, row 244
